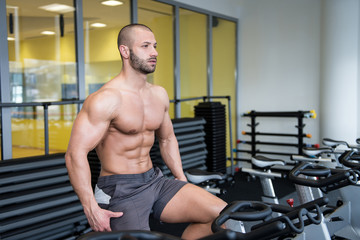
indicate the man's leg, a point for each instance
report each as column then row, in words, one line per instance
column 195, row 205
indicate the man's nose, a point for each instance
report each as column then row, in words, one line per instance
column 154, row 53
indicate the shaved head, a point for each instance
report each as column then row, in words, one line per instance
column 126, row 37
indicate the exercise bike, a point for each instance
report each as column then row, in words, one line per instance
column 262, row 170
column 327, row 155
column 210, row 181
column 340, row 222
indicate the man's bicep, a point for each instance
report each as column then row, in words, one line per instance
column 166, row 129
column 87, row 133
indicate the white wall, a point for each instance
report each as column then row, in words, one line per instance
column 340, row 70
column 280, row 59
column 280, row 64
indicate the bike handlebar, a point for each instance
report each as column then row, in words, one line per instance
column 238, row 211
column 292, row 220
column 327, row 179
column 349, row 159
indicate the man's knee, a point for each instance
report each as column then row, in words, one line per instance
column 214, row 211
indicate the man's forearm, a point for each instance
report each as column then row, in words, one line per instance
column 80, row 178
column 170, row 153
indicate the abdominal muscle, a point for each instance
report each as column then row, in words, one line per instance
column 125, row 153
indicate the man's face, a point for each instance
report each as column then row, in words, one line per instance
column 143, row 52
column 144, row 66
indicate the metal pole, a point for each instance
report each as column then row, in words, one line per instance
column 231, row 140
column 46, row 128
column 79, row 44
column 133, row 11
column 6, row 142
column 210, row 56
column 177, row 93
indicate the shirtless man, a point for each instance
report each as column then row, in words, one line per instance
column 119, row 121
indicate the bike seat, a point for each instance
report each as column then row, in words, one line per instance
column 265, row 162
column 198, row 176
column 310, row 151
column 333, row 143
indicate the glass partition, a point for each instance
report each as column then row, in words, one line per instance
column 193, row 59
column 102, row 24
column 42, row 66
column 61, row 118
column 42, row 61
column 27, row 127
column 41, row 50
column 224, row 68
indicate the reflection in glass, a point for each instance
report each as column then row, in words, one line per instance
column 40, row 64
column 27, row 127
column 61, row 118
column 102, row 24
column 41, row 67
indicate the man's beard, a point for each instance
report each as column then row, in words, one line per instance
column 140, row 65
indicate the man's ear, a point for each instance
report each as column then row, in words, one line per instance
column 124, row 51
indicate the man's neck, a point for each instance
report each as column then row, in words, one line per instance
column 134, row 79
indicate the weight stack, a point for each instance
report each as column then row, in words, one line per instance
column 215, row 129
column 191, row 139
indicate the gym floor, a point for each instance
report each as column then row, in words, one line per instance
column 243, row 188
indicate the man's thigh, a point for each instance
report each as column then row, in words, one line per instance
column 192, row 204
column 136, row 213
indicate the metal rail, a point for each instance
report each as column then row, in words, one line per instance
column 45, row 106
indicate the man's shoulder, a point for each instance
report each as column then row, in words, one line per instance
column 159, row 90
column 104, row 95
column 102, row 100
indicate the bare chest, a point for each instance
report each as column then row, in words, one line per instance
column 137, row 115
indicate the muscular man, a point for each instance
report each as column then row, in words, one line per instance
column 119, row 121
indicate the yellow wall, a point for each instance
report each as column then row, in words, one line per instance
column 193, row 59
column 162, row 27
column 224, row 60
column 103, row 45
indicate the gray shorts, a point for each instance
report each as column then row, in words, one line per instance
column 136, row 195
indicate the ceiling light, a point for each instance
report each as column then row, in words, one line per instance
column 59, row 8
column 98, row 25
column 48, row 32
column 11, row 39
column 112, row 3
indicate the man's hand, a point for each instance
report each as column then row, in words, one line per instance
column 181, row 178
column 99, row 220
